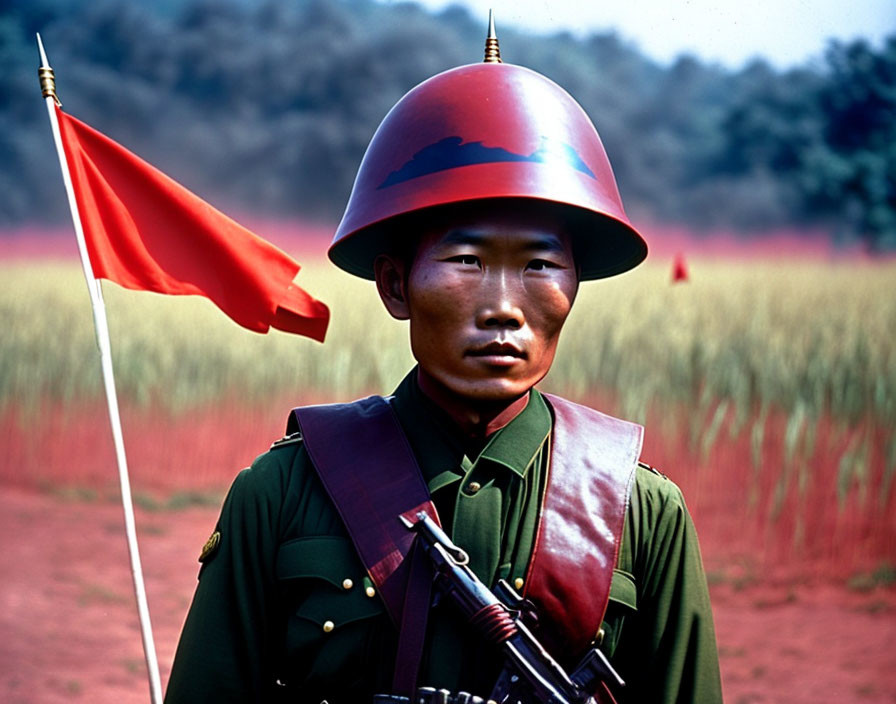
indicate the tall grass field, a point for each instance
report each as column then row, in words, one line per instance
column 768, row 390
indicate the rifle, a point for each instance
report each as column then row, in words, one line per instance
column 529, row 675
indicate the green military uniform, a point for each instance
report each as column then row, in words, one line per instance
column 284, row 608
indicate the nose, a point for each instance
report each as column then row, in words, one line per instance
column 500, row 306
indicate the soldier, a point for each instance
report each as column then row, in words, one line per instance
column 483, row 200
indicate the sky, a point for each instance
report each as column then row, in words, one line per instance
column 730, row 32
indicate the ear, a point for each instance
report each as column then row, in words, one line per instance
column 391, row 283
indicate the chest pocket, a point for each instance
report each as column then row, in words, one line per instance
column 623, row 603
column 334, row 614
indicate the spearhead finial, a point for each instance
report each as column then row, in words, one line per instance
column 492, row 50
column 45, row 73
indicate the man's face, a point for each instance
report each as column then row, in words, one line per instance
column 486, row 296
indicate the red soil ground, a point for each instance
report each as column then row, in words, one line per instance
column 69, row 631
column 790, row 627
column 780, row 513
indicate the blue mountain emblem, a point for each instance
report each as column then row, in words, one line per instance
column 452, row 152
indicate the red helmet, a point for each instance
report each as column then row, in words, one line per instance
column 488, row 131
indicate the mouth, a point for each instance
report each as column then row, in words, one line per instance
column 498, row 353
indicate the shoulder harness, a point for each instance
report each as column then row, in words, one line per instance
column 369, row 471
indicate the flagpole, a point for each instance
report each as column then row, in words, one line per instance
column 48, row 88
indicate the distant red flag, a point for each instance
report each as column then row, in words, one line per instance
column 146, row 232
column 679, row 269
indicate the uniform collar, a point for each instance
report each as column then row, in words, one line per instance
column 437, row 447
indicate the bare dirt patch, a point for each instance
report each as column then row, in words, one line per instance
column 69, row 631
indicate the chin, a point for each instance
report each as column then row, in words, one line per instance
column 490, row 389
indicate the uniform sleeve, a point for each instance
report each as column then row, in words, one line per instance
column 667, row 653
column 224, row 653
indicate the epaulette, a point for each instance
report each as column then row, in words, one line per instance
column 290, row 439
column 646, row 466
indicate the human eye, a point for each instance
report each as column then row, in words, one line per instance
column 465, row 259
column 541, row 265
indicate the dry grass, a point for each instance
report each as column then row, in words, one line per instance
column 738, row 340
column 182, row 351
column 811, row 340
column 770, row 389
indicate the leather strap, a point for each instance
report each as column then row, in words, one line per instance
column 412, row 635
column 369, row 471
column 592, row 468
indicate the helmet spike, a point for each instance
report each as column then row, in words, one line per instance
column 492, row 50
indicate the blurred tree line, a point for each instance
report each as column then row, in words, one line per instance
column 267, row 107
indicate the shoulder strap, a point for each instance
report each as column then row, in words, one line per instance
column 592, row 467
column 369, row 471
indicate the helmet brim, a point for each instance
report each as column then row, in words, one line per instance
column 603, row 245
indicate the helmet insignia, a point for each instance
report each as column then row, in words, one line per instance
column 453, row 152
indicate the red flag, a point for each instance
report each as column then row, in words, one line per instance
column 679, row 269
column 146, row 232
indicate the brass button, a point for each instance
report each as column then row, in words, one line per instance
column 473, row 487
column 370, row 591
column 329, row 626
column 599, row 638
column 347, row 583
column 518, row 583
